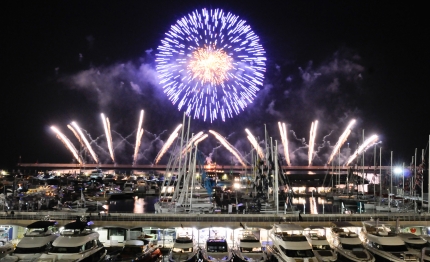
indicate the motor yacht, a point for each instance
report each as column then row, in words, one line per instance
column 185, row 246
column 77, row 242
column 6, row 249
column 37, row 240
column 320, row 245
column 249, row 247
column 343, row 238
column 289, row 244
column 137, row 251
column 385, row 245
column 216, row 249
column 416, row 243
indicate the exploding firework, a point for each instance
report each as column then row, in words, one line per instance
column 87, row 144
column 229, row 147
column 139, row 135
column 369, row 142
column 254, row 143
column 341, row 140
column 67, row 143
column 284, row 139
column 200, row 139
column 211, row 63
column 313, row 134
column 106, row 126
column 168, row 143
column 192, row 140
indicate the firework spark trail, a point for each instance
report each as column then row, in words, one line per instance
column 341, row 141
column 192, row 140
column 168, row 143
column 211, row 64
column 67, row 143
column 229, row 147
column 369, row 142
column 284, row 139
column 76, row 134
column 87, row 144
column 139, row 135
column 200, row 139
column 106, row 126
column 255, row 144
column 313, row 134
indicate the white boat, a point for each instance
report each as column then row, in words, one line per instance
column 136, row 250
column 417, row 244
column 385, row 245
column 343, row 237
column 97, row 174
column 249, row 247
column 320, row 245
column 185, row 246
column 129, row 187
column 77, row 242
column 289, row 244
column 216, row 249
column 36, row 241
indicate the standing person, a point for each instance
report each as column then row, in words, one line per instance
column 12, row 213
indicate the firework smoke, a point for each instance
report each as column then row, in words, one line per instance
column 229, row 147
column 139, row 135
column 168, row 143
column 369, row 142
column 313, row 134
column 284, row 139
column 341, row 140
column 200, row 139
column 87, row 144
column 254, row 143
column 106, row 126
column 67, row 143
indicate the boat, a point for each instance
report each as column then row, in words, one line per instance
column 320, row 245
column 216, row 249
column 185, row 246
column 77, row 242
column 36, row 241
column 343, row 238
column 97, row 174
column 417, row 244
column 289, row 244
column 137, row 251
column 385, row 245
column 129, row 187
column 249, row 247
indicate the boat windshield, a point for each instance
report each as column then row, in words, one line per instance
column 132, row 249
column 250, row 249
column 297, row 253
column 35, row 231
column 216, row 247
column 29, row 250
column 321, row 247
column 352, row 247
column 182, row 250
column 390, row 248
column 418, row 246
column 66, row 249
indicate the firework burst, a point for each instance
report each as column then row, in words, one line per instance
column 67, row 143
column 229, row 147
column 366, row 144
column 211, row 64
column 139, row 135
column 87, row 144
column 106, row 126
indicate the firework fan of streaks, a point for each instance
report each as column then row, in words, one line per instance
column 313, row 134
column 139, row 135
column 106, row 126
column 254, row 143
column 284, row 139
column 87, row 144
column 341, row 140
column 67, row 143
column 168, row 143
column 211, row 63
column 192, row 140
column 229, row 147
column 369, row 142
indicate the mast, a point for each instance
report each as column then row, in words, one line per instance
column 380, row 175
column 276, row 178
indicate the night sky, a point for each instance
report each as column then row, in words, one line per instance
column 330, row 61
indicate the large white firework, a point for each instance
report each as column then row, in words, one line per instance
column 211, row 64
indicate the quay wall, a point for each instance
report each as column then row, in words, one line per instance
column 131, row 220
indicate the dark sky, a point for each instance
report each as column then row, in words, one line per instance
column 330, row 61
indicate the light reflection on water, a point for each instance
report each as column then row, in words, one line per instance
column 310, row 205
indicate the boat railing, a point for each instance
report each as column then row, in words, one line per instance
column 215, row 217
